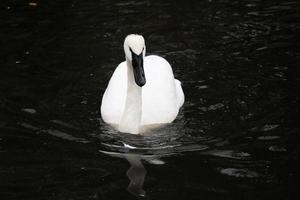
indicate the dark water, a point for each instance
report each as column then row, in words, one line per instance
column 236, row 137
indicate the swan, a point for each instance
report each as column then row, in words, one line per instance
column 142, row 92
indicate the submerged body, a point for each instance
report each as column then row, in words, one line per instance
column 132, row 108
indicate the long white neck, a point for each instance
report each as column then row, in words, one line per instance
column 131, row 119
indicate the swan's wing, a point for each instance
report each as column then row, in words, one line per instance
column 159, row 93
column 179, row 92
column 113, row 101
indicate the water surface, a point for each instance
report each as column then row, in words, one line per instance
column 236, row 137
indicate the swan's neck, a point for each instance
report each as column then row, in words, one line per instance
column 131, row 119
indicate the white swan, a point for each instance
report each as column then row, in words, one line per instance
column 142, row 92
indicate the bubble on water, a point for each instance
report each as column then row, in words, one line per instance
column 29, row 110
column 277, row 149
column 215, row 106
column 201, row 87
column 254, row 13
column 32, row 4
column 261, row 48
column 268, row 137
column 269, row 127
column 29, row 126
column 84, row 102
column 63, row 135
column 249, row 5
column 229, row 154
column 240, row 173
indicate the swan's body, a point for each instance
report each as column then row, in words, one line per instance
column 131, row 108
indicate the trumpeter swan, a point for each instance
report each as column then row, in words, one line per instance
column 142, row 91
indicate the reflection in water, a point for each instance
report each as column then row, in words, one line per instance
column 135, row 155
column 136, row 172
column 241, row 109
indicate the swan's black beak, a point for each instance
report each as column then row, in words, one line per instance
column 138, row 69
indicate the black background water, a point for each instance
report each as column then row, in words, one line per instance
column 237, row 135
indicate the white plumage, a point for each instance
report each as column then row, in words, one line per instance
column 131, row 108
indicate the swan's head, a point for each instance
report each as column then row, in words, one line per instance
column 134, row 48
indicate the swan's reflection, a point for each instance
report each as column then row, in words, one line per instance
column 136, row 172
